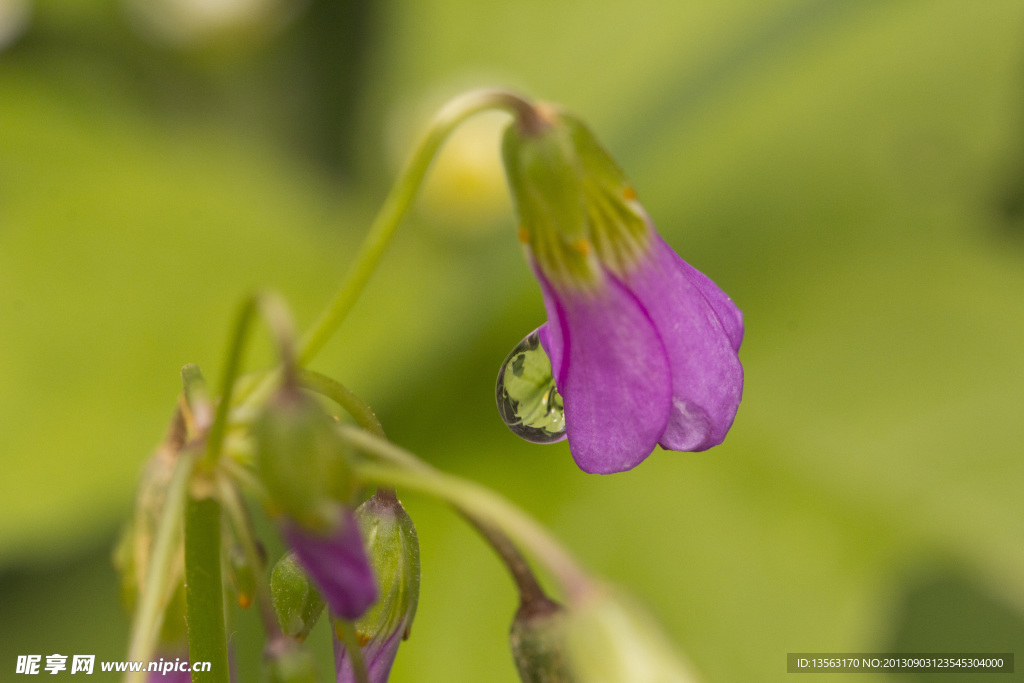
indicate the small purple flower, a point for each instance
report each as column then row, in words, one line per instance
column 643, row 346
column 337, row 563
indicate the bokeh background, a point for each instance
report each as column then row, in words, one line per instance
column 851, row 173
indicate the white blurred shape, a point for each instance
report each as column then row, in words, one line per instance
column 186, row 22
column 14, row 17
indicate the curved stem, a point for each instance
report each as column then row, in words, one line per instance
column 399, row 200
column 351, row 403
column 526, row 582
column 344, row 397
column 529, row 588
column 275, row 313
column 408, row 472
column 149, row 612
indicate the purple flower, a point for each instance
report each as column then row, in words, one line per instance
column 337, row 563
column 643, row 346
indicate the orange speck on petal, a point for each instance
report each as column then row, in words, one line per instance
column 524, row 234
column 582, row 245
column 629, row 193
column 362, row 639
column 244, row 600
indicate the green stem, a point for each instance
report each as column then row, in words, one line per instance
column 530, row 591
column 355, row 653
column 398, row 201
column 150, row 609
column 207, row 640
column 344, row 397
column 406, row 471
column 275, row 314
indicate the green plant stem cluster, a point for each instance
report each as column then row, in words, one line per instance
column 209, row 475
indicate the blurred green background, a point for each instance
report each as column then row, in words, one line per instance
column 851, row 173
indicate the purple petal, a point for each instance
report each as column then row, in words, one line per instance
column 730, row 316
column 702, row 330
column 378, row 655
column 337, row 563
column 613, row 374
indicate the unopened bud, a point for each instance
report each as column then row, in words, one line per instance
column 301, row 458
column 394, row 553
column 296, row 600
column 336, row 560
column 537, row 641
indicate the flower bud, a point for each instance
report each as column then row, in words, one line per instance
column 336, row 561
column 537, row 641
column 296, row 600
column 395, row 556
column 301, row 459
column 302, row 462
column 611, row 639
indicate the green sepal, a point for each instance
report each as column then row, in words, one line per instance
column 297, row 602
column 545, row 181
column 579, row 215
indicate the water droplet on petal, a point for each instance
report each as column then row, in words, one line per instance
column 528, row 401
